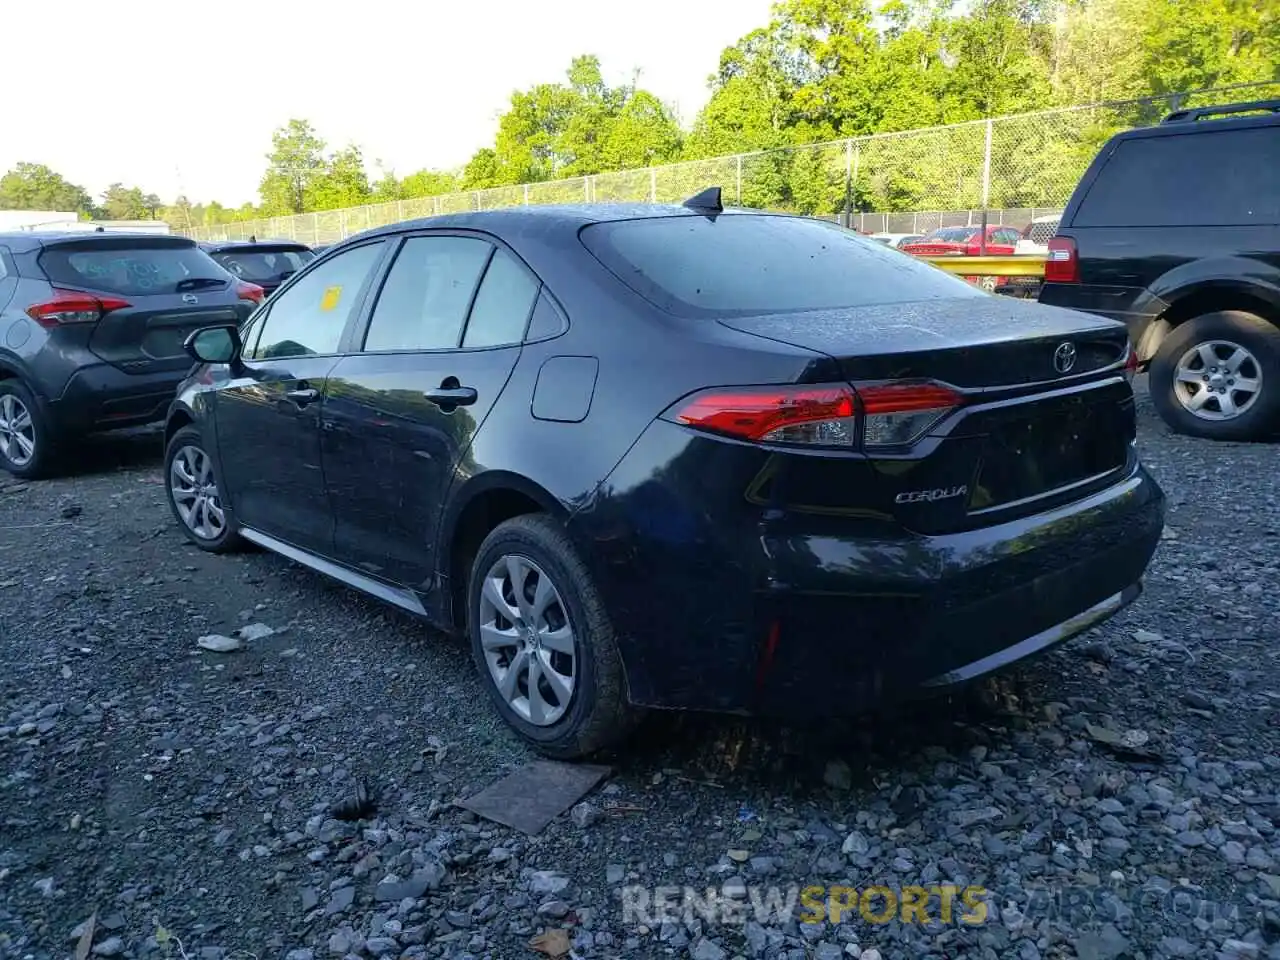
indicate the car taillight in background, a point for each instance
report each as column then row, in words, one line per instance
column 250, row 291
column 829, row 415
column 1062, row 265
column 72, row 306
column 1131, row 364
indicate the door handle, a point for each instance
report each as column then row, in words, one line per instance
column 303, row 395
column 452, row 396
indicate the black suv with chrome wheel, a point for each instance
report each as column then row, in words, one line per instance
column 1175, row 230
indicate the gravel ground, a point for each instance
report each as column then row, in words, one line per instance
column 182, row 797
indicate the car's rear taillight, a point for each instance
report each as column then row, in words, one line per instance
column 73, row 306
column 250, row 291
column 829, row 415
column 894, row 414
column 1062, row 265
column 823, row 415
column 1131, row 363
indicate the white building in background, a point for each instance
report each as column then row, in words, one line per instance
column 37, row 220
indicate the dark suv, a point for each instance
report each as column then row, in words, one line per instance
column 1175, row 230
column 91, row 333
column 268, row 263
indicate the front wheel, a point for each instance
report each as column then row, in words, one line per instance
column 543, row 643
column 195, row 498
column 1217, row 376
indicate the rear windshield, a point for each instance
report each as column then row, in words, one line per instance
column 741, row 264
column 259, row 265
column 132, row 269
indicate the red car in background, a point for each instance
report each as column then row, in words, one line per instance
column 966, row 242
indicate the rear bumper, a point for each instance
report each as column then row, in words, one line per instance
column 727, row 607
column 101, row 397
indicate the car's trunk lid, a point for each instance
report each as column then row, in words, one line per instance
column 972, row 342
column 1032, row 429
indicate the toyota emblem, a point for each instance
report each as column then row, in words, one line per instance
column 1064, row 358
column 189, row 298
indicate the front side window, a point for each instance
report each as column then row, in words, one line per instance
column 424, row 302
column 308, row 317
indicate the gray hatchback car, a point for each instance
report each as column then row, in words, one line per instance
column 91, row 334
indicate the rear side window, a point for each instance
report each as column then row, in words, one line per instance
column 503, row 304
column 427, row 294
column 1220, row 178
column 132, row 269
column 741, row 264
column 257, row 266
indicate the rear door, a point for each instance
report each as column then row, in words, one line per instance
column 156, row 291
column 400, row 415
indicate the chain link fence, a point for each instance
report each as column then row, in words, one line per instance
column 1012, row 169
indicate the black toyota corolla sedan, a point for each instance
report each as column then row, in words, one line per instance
column 675, row 457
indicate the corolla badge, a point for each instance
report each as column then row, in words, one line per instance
column 929, row 496
column 190, row 298
column 1064, row 358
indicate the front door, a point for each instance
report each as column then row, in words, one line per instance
column 399, row 416
column 268, row 416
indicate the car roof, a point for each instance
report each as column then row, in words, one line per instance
column 1229, row 116
column 25, row 240
column 570, row 217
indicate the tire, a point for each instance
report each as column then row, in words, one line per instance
column 597, row 713
column 23, row 425
column 207, row 522
column 1231, row 347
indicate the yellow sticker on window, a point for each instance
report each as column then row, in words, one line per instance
column 331, row 297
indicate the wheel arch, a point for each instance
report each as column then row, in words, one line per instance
column 180, row 416
column 1211, row 296
column 484, row 502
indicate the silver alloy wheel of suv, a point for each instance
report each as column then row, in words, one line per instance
column 17, row 431
column 1218, row 380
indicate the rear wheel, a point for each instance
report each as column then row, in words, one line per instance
column 1218, row 376
column 542, row 640
column 26, row 437
column 194, row 495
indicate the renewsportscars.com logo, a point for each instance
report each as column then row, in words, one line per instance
column 947, row 903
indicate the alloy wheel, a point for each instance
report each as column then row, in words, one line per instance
column 528, row 642
column 1217, row 380
column 195, row 493
column 17, row 431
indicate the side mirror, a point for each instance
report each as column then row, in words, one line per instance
column 214, row 345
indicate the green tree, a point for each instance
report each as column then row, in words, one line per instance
column 126, row 203
column 341, row 183
column 429, row 183
column 33, row 186
column 295, row 162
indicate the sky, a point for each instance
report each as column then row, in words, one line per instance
column 182, row 96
